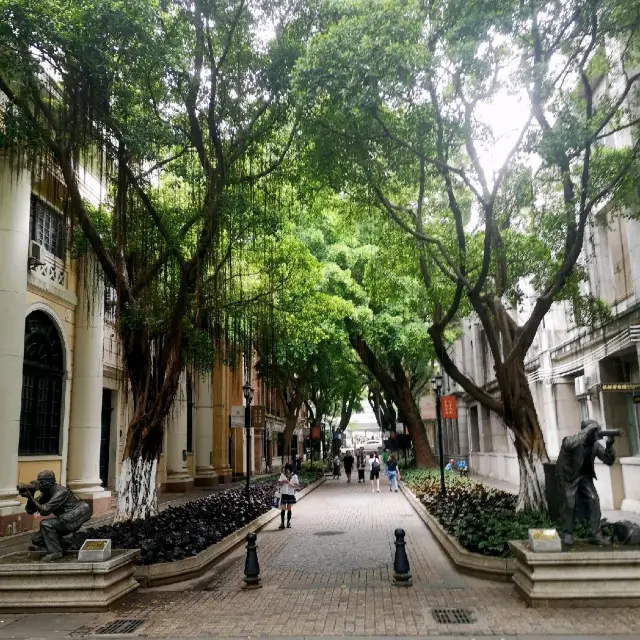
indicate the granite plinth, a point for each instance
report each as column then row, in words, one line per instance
column 582, row 577
column 28, row 585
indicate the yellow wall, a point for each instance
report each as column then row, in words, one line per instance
column 28, row 470
column 191, row 464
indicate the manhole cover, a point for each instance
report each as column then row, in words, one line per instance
column 119, row 627
column 328, row 533
column 452, row 616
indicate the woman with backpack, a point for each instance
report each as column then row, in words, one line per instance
column 374, row 472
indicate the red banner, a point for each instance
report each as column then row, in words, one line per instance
column 448, row 408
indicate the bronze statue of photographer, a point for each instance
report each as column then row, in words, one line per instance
column 69, row 512
column 575, row 470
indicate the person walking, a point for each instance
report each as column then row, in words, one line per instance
column 374, row 472
column 336, row 466
column 361, row 463
column 348, row 465
column 288, row 482
column 392, row 473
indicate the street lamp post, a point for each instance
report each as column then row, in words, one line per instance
column 247, row 391
column 436, row 385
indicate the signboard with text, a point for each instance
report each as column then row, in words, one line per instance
column 448, row 408
column 237, row 416
column 258, row 416
column 621, row 386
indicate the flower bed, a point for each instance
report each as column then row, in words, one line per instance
column 481, row 519
column 185, row 530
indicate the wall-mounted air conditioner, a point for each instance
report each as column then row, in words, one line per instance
column 581, row 386
column 35, row 254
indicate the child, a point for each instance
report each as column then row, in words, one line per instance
column 288, row 482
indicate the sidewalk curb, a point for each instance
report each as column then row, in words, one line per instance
column 466, row 562
column 163, row 573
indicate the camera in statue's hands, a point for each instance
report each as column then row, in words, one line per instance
column 24, row 489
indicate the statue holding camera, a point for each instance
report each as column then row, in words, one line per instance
column 575, row 470
column 68, row 511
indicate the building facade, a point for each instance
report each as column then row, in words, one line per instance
column 63, row 394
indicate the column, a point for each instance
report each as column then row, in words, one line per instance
column 178, row 477
column 85, row 425
column 15, row 197
column 220, row 423
column 205, row 473
column 463, row 430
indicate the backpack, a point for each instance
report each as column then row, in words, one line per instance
column 375, row 466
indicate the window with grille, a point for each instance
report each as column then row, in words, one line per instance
column 47, row 227
column 42, row 373
column 110, row 304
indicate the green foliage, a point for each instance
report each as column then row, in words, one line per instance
column 482, row 520
column 317, row 467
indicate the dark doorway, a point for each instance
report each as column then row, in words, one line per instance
column 105, row 435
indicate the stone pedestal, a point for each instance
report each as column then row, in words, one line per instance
column 15, row 199
column 29, row 586
column 179, row 479
column 85, row 427
column 583, row 577
column 206, row 475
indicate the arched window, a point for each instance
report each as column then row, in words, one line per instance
column 41, row 387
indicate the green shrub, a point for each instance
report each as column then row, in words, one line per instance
column 482, row 520
column 317, row 466
column 405, row 465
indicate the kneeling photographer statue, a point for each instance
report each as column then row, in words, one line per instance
column 575, row 471
column 54, row 499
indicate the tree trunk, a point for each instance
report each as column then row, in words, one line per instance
column 397, row 389
column 153, row 368
column 522, row 419
column 415, row 426
column 291, row 420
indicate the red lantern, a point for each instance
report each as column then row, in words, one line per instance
column 315, row 432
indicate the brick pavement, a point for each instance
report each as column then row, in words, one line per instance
column 331, row 575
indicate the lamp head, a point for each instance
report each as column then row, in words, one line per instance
column 247, row 391
column 436, row 382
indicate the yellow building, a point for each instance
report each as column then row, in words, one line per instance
column 62, row 400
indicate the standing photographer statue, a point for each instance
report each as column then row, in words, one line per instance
column 575, row 470
column 69, row 512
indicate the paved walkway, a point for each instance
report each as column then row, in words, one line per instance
column 331, row 575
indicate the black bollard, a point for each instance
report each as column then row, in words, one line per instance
column 401, row 570
column 251, row 564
